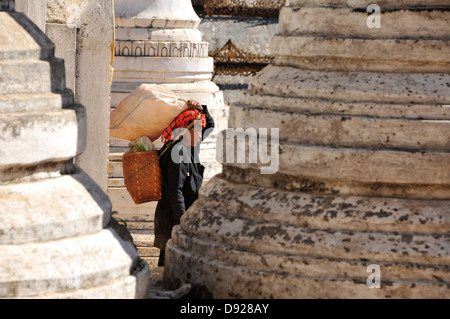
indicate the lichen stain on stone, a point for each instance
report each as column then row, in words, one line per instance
column 308, row 241
column 269, row 231
column 407, row 238
column 332, row 213
column 297, row 238
column 380, row 214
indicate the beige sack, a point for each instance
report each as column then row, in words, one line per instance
column 147, row 111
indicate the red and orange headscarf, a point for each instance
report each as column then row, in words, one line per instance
column 182, row 121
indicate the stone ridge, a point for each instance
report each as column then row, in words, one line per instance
column 392, row 4
column 317, row 21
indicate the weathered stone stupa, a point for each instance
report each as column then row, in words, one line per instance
column 364, row 164
column 54, row 239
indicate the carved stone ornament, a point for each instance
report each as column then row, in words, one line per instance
column 162, row 49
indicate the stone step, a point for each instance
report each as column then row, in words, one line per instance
column 346, row 213
column 148, row 226
column 135, row 210
column 33, row 137
column 324, row 107
column 52, row 209
column 221, row 279
column 347, row 23
column 313, row 267
column 118, row 149
column 67, row 264
column 347, row 131
column 115, row 170
column 362, row 4
column 153, row 263
column 271, row 237
column 19, row 45
column 136, row 218
column 326, row 165
column 35, row 102
column 129, row 287
column 405, row 55
column 142, row 238
column 32, row 76
column 115, row 156
column 149, row 73
column 146, row 252
column 360, row 87
column 115, row 182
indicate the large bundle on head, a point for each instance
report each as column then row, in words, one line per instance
column 147, row 111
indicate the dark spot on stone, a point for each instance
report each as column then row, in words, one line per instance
column 308, row 241
column 438, row 278
column 407, row 238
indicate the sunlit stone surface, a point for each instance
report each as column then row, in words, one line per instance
column 364, row 164
column 54, row 236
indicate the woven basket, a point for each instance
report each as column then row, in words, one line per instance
column 142, row 176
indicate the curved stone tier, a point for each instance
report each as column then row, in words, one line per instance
column 362, row 4
column 363, row 153
column 313, row 21
column 54, row 235
column 168, row 14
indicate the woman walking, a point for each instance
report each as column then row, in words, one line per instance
column 181, row 170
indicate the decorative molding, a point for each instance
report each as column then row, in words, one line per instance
column 260, row 8
column 230, row 60
column 162, row 49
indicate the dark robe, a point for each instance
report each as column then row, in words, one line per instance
column 182, row 180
